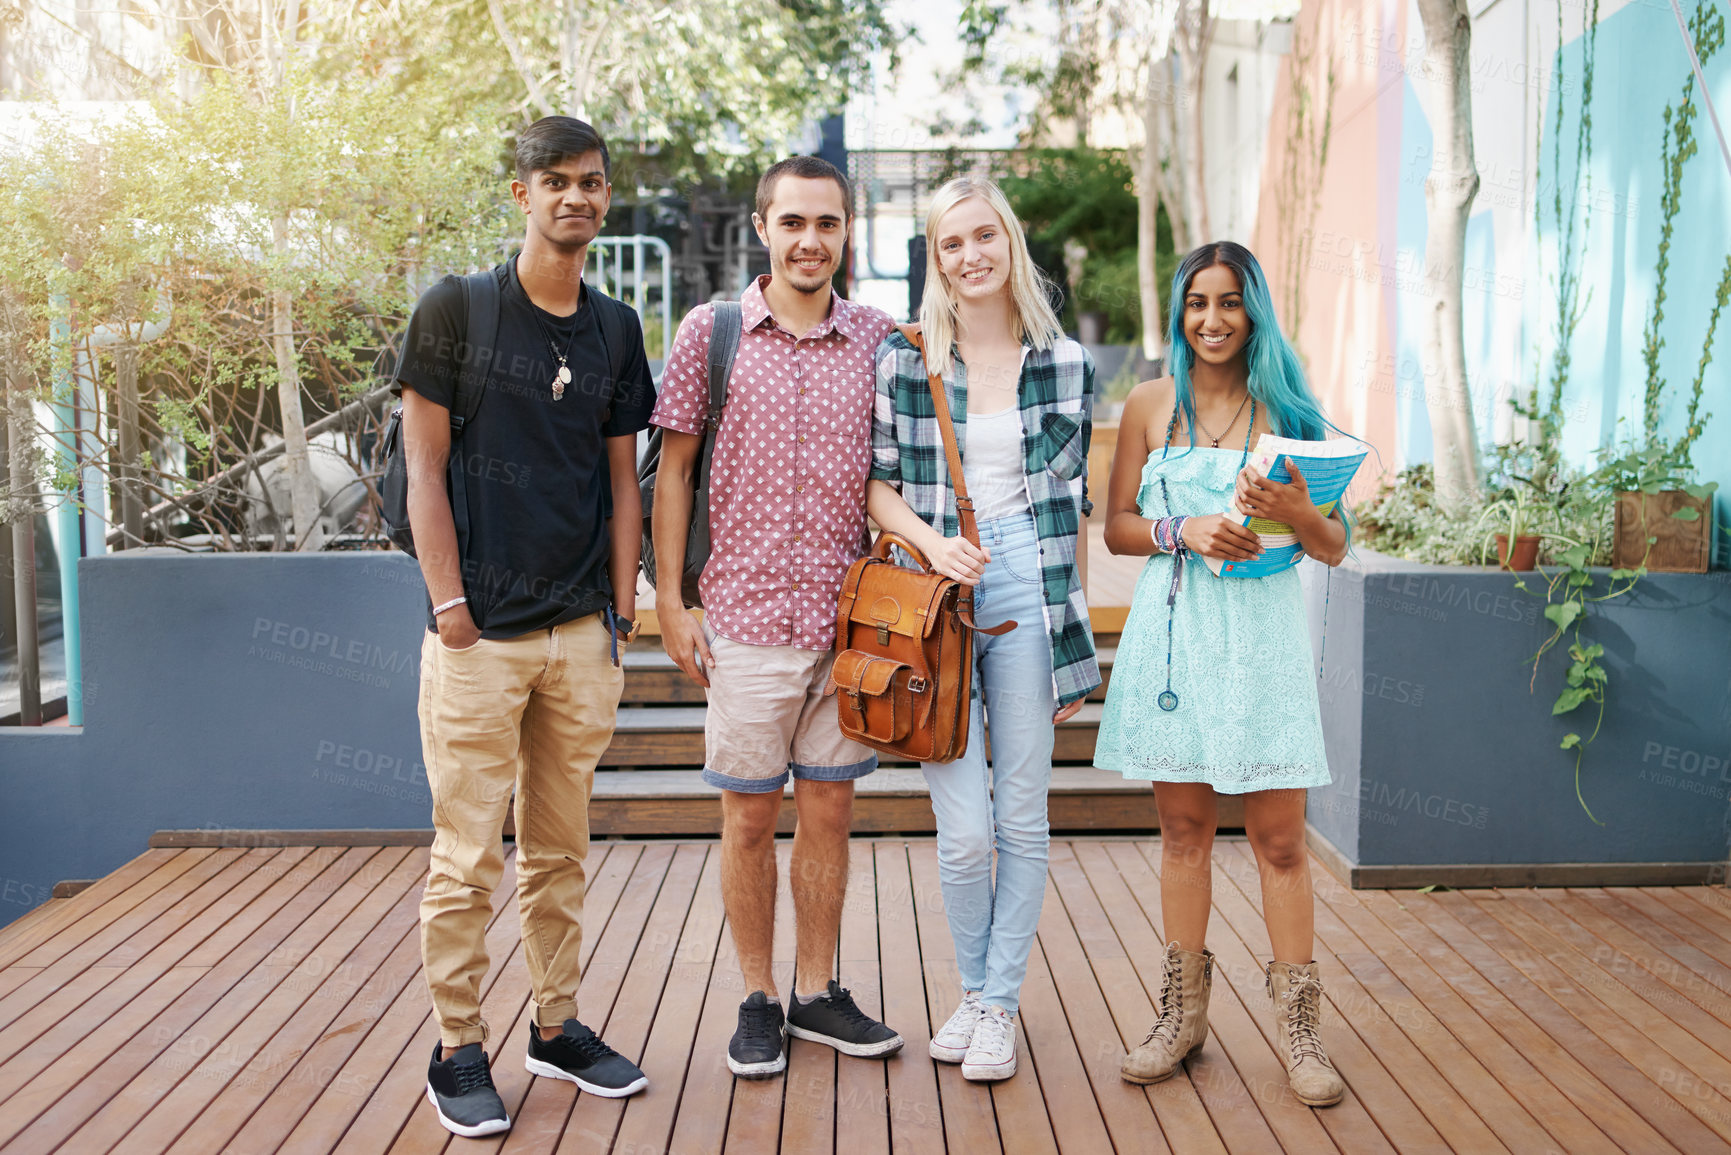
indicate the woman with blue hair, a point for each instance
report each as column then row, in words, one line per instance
column 1212, row 690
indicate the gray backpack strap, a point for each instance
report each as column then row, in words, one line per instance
column 723, row 348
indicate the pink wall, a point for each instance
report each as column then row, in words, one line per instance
column 1347, row 283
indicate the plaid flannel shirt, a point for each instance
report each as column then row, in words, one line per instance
column 1057, row 397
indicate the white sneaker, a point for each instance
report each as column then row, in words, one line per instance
column 992, row 1053
column 950, row 1044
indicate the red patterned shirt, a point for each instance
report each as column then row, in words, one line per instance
column 787, row 487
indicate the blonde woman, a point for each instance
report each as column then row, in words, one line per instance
column 1020, row 394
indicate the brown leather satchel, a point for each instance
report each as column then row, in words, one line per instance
column 904, row 637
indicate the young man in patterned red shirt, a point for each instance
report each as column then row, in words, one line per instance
column 787, row 517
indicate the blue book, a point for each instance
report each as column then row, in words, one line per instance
column 1328, row 468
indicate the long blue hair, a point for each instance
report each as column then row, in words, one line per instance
column 1277, row 379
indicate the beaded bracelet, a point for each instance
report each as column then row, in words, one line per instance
column 1168, row 534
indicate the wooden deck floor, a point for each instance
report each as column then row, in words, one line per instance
column 270, row 999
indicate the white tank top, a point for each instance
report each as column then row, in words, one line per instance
column 992, row 467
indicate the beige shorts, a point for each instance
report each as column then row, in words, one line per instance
column 768, row 718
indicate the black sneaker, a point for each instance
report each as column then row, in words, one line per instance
column 461, row 1091
column 833, row 1020
column 579, row 1056
column 758, row 1048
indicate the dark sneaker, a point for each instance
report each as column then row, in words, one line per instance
column 833, row 1020
column 758, row 1048
column 461, row 1091
column 579, row 1056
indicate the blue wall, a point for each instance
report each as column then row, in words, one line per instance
column 1510, row 319
column 246, row 691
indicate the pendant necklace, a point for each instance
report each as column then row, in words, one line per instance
column 562, row 377
column 1229, row 424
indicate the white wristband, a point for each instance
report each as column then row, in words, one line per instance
column 452, row 604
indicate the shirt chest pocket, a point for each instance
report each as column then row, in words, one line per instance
column 833, row 412
column 1061, row 446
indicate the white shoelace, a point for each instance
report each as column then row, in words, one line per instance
column 993, row 1033
column 965, row 1018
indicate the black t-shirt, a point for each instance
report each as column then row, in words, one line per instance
column 536, row 480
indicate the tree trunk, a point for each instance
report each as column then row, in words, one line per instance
column 1449, row 190
column 1160, row 134
column 14, row 407
column 1192, row 51
column 1147, row 246
column 303, row 487
column 131, row 446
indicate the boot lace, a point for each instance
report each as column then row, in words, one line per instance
column 1165, row 1027
column 1303, row 1013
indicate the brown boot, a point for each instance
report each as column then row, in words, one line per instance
column 1297, row 995
column 1183, row 1022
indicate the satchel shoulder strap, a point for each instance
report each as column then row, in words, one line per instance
column 964, row 503
column 952, row 452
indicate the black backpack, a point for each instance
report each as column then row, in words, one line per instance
column 723, row 346
column 481, row 302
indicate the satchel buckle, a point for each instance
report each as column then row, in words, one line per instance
column 916, row 685
column 883, row 634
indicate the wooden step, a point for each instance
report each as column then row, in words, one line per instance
column 1108, row 621
column 650, row 736
column 1082, row 798
column 651, row 678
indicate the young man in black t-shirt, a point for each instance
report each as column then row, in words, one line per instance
column 529, row 606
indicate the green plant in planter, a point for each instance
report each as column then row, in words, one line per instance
column 1656, row 464
column 1568, row 593
column 1513, row 513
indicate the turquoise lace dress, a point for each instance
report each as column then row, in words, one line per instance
column 1242, row 665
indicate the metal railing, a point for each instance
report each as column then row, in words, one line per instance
column 606, row 251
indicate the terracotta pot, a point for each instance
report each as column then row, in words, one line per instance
column 1525, row 555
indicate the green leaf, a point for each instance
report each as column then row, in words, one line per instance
column 1700, row 492
column 1620, row 574
column 1687, row 513
column 1570, row 741
column 1569, row 699
column 1595, row 650
column 1563, row 614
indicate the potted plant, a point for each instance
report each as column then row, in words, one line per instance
column 1662, row 515
column 1517, row 546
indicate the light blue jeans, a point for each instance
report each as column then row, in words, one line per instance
column 992, row 921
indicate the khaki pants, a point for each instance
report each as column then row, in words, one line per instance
column 532, row 714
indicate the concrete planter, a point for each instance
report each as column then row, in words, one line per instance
column 1447, row 768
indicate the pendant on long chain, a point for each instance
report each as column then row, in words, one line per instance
column 561, row 379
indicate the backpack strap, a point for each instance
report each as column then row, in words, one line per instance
column 610, row 319
column 723, row 349
column 481, row 336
